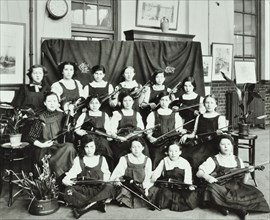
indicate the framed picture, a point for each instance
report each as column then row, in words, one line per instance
column 245, row 72
column 12, row 53
column 222, row 61
column 207, row 68
column 207, row 90
column 149, row 13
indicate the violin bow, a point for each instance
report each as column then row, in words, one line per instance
column 187, row 107
column 140, row 132
column 164, row 135
column 172, row 181
column 106, row 97
column 213, row 132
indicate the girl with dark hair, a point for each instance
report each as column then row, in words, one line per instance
column 203, row 139
column 189, row 98
column 168, row 121
column 94, row 119
column 124, row 122
column 88, row 166
column 233, row 194
column 173, row 182
column 134, row 166
column 32, row 95
column 100, row 88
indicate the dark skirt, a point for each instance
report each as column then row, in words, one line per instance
column 236, row 195
column 79, row 196
column 174, row 199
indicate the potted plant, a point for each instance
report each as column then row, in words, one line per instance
column 43, row 190
column 245, row 97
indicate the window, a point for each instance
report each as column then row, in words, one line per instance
column 246, row 31
column 94, row 19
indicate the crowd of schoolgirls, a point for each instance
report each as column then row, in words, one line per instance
column 136, row 145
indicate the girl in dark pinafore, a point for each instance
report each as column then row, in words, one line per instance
column 96, row 119
column 233, row 194
column 100, row 88
column 168, row 121
column 88, row 166
column 137, row 167
column 166, row 195
column 206, row 129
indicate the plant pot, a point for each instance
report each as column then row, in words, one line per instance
column 164, row 24
column 43, row 207
column 15, row 139
column 243, row 129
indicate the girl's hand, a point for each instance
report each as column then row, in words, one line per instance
column 117, row 183
column 152, row 139
column 196, row 113
column 81, row 132
column 152, row 105
column 122, row 139
column 192, row 188
column 175, row 108
column 47, row 144
column 219, row 132
column 183, row 139
column 251, row 169
column 211, row 179
column 68, row 182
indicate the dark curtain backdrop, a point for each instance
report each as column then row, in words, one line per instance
column 144, row 56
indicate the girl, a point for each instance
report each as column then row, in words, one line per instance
column 234, row 194
column 206, row 128
column 94, row 118
column 68, row 89
column 100, row 87
column 137, row 167
column 32, row 95
column 170, row 196
column 168, row 121
column 189, row 98
column 149, row 99
column 43, row 132
column 88, row 166
column 123, row 122
column 128, row 84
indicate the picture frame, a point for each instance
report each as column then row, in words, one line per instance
column 149, row 13
column 207, row 68
column 245, row 71
column 207, row 90
column 12, row 53
column 222, row 61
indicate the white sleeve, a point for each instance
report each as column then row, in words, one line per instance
column 80, row 121
column 146, row 95
column 57, row 88
column 150, row 120
column 119, row 170
column 116, row 117
column 110, row 89
column 222, row 122
column 178, row 122
column 105, row 169
column 158, row 171
column 208, row 166
column 107, row 125
column 80, row 87
column 148, row 173
column 86, row 90
column 188, row 173
column 74, row 170
column 139, row 121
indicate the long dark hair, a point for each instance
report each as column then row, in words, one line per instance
column 62, row 66
column 189, row 79
column 84, row 141
column 31, row 69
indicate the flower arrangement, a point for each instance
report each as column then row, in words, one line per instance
column 42, row 188
column 245, row 97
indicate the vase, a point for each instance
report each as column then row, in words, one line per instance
column 43, row 207
column 164, row 24
column 243, row 129
column 15, row 139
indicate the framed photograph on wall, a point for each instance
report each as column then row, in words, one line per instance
column 245, row 72
column 207, row 68
column 222, row 61
column 149, row 13
column 12, row 53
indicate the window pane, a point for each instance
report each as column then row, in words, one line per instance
column 238, row 5
column 80, row 38
column 91, row 1
column 104, row 2
column 250, row 6
column 238, row 45
column 250, row 24
column 77, row 13
column 91, row 14
column 250, row 43
column 238, row 23
column 105, row 17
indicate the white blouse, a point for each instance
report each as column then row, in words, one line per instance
column 101, row 84
column 89, row 162
column 181, row 163
column 121, row 167
column 227, row 161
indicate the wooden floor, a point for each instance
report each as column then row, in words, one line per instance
column 19, row 207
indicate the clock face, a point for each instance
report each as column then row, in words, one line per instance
column 57, row 8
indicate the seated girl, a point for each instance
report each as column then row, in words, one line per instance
column 173, row 182
column 233, row 194
column 134, row 166
column 92, row 120
column 88, row 166
column 169, row 122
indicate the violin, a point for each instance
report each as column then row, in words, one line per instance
column 136, row 93
column 173, row 184
column 106, row 97
column 201, row 140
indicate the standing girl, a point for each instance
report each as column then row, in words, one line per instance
column 234, row 194
column 100, row 87
column 206, row 128
column 176, row 197
column 137, row 167
column 88, row 166
column 96, row 119
column 168, row 121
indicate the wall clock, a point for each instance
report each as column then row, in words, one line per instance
column 57, row 8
